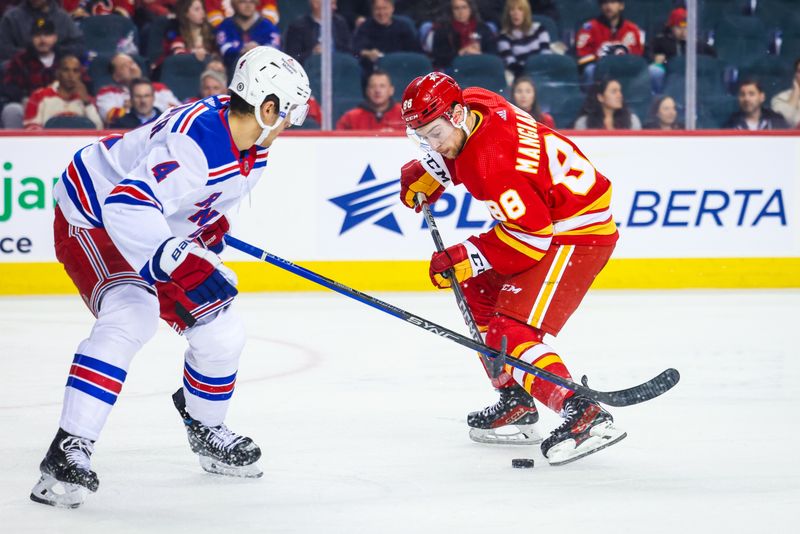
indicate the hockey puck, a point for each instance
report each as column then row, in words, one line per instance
column 522, row 463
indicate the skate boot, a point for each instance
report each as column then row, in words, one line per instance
column 67, row 477
column 587, row 428
column 508, row 422
column 220, row 451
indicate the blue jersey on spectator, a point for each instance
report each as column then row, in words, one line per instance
column 231, row 38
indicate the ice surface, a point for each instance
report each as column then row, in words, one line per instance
column 362, row 422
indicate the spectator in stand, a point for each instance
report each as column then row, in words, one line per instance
column 521, row 36
column 303, row 34
column 605, row 109
column 382, row 34
column 491, row 11
column 142, row 110
column 461, row 33
column 379, row 111
column 219, row 10
column 79, row 9
column 752, row 114
column 212, row 83
column 787, row 102
column 28, row 71
column 663, row 115
column 671, row 42
column 245, row 30
column 523, row 92
column 66, row 96
column 113, row 100
column 190, row 32
column 17, row 22
column 608, row 34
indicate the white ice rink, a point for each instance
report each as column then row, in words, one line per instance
column 362, row 422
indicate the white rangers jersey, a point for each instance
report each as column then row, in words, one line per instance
column 168, row 178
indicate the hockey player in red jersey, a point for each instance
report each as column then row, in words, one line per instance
column 610, row 33
column 139, row 225
column 526, row 276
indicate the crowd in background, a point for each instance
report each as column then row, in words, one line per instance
column 57, row 71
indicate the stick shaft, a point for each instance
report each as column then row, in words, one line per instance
column 461, row 300
column 643, row 392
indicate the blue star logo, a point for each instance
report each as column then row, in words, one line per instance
column 369, row 203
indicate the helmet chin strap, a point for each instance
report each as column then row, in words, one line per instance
column 266, row 129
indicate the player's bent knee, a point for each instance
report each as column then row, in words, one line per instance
column 132, row 311
column 221, row 338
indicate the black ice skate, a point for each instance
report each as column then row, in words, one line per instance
column 509, row 421
column 220, row 451
column 587, row 429
column 67, row 477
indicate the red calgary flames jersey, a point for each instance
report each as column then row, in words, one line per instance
column 534, row 181
column 596, row 39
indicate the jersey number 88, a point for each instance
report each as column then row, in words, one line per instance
column 510, row 206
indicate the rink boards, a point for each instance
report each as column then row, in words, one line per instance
column 708, row 210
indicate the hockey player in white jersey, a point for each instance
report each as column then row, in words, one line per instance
column 139, row 225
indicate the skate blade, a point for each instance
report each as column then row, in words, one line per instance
column 600, row 436
column 59, row 494
column 506, row 435
column 211, row 465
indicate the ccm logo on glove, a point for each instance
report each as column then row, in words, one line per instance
column 465, row 259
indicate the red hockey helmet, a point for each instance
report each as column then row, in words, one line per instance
column 429, row 97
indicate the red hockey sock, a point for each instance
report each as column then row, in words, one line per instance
column 525, row 343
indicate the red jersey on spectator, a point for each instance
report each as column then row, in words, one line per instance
column 364, row 118
column 159, row 8
column 113, row 101
column 597, row 38
column 547, row 120
column 46, row 103
column 101, row 7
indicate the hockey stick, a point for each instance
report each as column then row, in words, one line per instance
column 495, row 366
column 624, row 397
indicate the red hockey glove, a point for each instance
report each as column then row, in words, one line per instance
column 415, row 179
column 213, row 236
column 465, row 259
column 199, row 272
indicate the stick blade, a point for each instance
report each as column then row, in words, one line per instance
column 646, row 391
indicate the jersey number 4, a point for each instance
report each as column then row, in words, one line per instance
column 162, row 170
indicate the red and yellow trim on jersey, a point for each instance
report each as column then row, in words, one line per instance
column 594, row 219
column 548, row 289
column 532, row 244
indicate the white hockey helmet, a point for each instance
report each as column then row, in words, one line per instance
column 264, row 71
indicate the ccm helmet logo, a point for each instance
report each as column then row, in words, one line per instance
column 407, row 104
